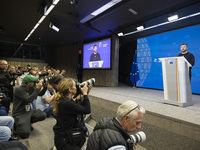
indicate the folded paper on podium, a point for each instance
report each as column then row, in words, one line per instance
column 95, row 64
column 176, row 82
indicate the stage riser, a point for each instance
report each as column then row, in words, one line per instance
column 162, row 132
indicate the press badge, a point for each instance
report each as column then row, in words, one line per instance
column 27, row 107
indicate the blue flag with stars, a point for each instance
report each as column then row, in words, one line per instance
column 134, row 74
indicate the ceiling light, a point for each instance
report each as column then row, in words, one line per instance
column 41, row 19
column 140, row 28
column 132, row 11
column 35, row 27
column 49, row 10
column 120, row 34
column 172, row 18
column 100, row 10
column 51, row 25
column 55, row 2
column 72, row 2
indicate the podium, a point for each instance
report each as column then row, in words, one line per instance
column 176, row 82
column 95, row 64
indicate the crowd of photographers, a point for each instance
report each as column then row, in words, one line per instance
column 40, row 94
column 32, row 100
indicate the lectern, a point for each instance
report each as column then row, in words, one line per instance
column 176, row 82
column 94, row 64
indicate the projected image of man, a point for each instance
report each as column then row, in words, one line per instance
column 189, row 56
column 95, row 55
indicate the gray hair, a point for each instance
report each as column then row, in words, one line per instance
column 126, row 109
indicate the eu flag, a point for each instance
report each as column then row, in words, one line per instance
column 134, row 75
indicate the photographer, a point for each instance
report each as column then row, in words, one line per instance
column 23, row 114
column 68, row 132
column 44, row 102
column 5, row 80
column 113, row 133
column 55, row 80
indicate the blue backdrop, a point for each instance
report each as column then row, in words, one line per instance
column 149, row 49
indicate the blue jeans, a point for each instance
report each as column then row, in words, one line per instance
column 3, row 111
column 49, row 112
column 6, row 124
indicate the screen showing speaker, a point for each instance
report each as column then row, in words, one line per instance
column 167, row 44
column 97, row 55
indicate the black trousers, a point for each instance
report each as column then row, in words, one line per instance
column 62, row 144
column 23, row 122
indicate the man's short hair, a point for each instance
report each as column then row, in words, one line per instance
column 129, row 108
column 56, row 79
column 184, row 44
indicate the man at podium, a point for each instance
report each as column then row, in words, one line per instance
column 95, row 55
column 189, row 56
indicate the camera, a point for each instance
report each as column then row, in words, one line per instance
column 43, row 74
column 139, row 137
column 88, row 82
column 43, row 77
column 15, row 73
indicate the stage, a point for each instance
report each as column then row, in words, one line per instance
column 150, row 100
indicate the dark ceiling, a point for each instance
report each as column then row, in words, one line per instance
column 18, row 17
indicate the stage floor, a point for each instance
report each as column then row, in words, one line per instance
column 150, row 100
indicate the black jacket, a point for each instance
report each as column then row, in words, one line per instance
column 108, row 132
column 67, row 114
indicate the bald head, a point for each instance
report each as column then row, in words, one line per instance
column 3, row 64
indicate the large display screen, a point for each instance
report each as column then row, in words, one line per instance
column 149, row 49
column 97, row 55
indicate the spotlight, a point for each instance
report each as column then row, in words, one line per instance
column 72, row 2
column 140, row 27
column 120, row 34
column 173, row 18
column 51, row 25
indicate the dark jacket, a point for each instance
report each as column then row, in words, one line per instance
column 23, row 97
column 67, row 114
column 108, row 132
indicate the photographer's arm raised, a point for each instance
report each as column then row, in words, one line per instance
column 49, row 99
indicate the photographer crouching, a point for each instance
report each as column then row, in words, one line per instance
column 68, row 133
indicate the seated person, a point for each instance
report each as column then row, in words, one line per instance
column 4, row 104
column 44, row 102
column 6, row 124
column 23, row 114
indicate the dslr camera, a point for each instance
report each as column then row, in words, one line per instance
column 88, row 82
column 15, row 73
column 44, row 78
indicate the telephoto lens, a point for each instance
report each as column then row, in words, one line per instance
column 88, row 82
column 139, row 137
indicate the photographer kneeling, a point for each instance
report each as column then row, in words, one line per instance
column 67, row 133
